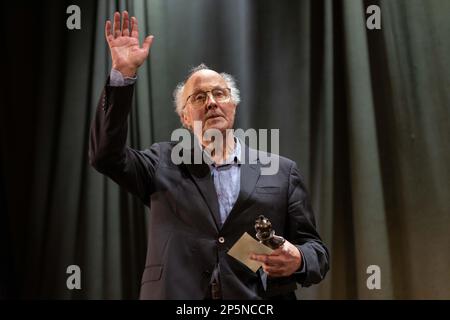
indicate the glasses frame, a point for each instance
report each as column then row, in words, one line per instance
column 207, row 95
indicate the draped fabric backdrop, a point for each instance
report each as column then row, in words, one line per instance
column 365, row 113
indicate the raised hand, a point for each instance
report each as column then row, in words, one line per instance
column 126, row 54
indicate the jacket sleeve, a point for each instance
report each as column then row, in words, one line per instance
column 131, row 169
column 303, row 233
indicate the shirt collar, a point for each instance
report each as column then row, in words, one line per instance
column 234, row 157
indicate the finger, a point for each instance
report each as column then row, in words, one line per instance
column 269, row 259
column 135, row 28
column 147, row 43
column 117, row 32
column 259, row 257
column 125, row 23
column 275, row 260
column 274, row 272
column 131, row 26
column 108, row 34
column 273, row 269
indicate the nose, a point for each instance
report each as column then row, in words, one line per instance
column 210, row 102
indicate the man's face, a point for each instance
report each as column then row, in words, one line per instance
column 212, row 114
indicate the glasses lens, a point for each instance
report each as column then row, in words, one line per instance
column 198, row 99
column 220, row 95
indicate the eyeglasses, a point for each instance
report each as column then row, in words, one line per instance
column 199, row 98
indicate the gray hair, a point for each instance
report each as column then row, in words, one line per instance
column 178, row 92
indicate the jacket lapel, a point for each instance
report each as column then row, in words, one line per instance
column 201, row 175
column 250, row 172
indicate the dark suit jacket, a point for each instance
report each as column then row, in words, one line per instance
column 184, row 227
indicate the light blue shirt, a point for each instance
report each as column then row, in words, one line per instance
column 116, row 79
column 227, row 180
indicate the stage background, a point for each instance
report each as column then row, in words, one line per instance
column 364, row 113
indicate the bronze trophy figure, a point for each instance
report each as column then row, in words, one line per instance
column 265, row 233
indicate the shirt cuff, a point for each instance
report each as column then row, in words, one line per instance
column 116, row 79
column 303, row 269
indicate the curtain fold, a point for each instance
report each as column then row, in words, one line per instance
column 364, row 113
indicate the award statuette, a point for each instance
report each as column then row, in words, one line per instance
column 265, row 233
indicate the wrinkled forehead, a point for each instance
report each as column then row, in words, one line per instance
column 204, row 80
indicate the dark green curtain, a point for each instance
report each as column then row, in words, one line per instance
column 365, row 113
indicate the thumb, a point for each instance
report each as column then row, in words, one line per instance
column 147, row 43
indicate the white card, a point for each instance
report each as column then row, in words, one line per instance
column 244, row 247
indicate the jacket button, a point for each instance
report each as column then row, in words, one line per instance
column 221, row 239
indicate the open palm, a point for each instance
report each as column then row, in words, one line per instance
column 123, row 43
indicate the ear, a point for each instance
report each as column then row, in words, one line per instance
column 186, row 119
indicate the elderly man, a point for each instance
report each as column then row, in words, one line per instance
column 199, row 210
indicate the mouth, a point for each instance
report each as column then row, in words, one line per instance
column 213, row 117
